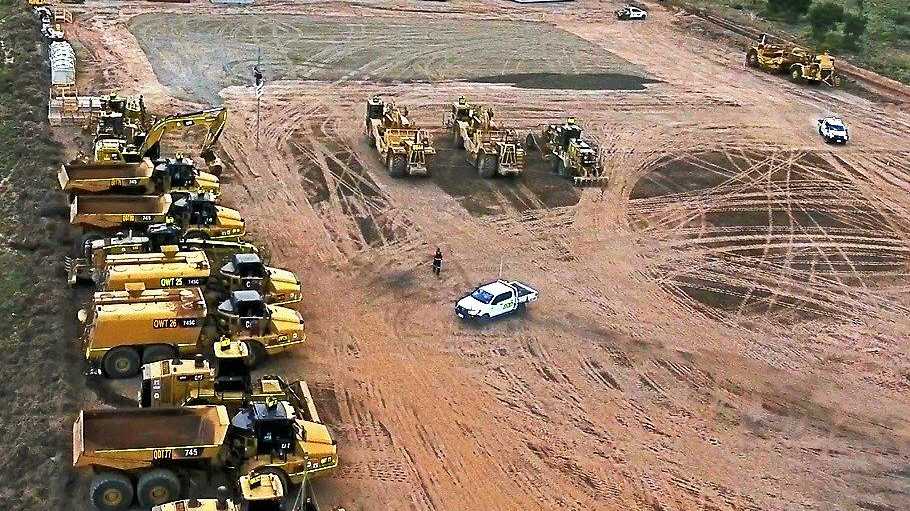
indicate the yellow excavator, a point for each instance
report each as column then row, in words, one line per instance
column 113, row 147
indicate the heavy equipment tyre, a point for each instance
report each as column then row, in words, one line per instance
column 257, row 354
column 796, row 74
column 111, row 491
column 556, row 162
column 394, row 165
column 157, row 353
column 121, row 362
column 486, row 165
column 456, row 139
column 561, row 169
column 752, row 59
column 157, row 487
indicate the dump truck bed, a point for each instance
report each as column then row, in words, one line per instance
column 107, row 211
column 97, row 178
column 130, row 438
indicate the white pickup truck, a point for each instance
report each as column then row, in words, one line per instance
column 495, row 299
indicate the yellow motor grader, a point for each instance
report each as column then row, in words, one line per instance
column 492, row 150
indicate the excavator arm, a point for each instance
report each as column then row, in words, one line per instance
column 214, row 119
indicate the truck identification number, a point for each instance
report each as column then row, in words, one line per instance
column 163, row 454
column 176, row 323
column 138, row 218
column 181, row 281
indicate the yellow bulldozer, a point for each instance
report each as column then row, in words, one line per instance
column 492, row 150
column 572, row 156
column 802, row 65
column 405, row 148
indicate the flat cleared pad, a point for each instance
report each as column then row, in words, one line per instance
column 197, row 55
column 753, row 231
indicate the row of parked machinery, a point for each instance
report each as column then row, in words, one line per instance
column 182, row 303
column 492, row 149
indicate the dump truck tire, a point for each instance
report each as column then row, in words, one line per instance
column 796, row 74
column 121, row 362
column 486, row 165
column 111, row 491
column 257, row 354
column 157, row 353
column 156, row 487
column 456, row 139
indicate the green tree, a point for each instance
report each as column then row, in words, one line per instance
column 789, row 7
column 823, row 17
column 854, row 24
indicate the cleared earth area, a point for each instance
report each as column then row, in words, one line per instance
column 722, row 327
column 366, row 48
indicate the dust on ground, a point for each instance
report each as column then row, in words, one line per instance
column 722, row 327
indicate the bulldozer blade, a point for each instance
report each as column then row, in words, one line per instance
column 589, row 182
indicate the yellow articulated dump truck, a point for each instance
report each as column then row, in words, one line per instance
column 149, row 455
column 247, row 272
column 92, row 259
column 198, row 216
column 125, row 329
column 144, row 178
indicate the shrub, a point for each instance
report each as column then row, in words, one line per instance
column 823, row 17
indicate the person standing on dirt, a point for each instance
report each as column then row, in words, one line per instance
column 437, row 262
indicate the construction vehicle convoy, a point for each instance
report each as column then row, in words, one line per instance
column 151, row 454
column 126, row 328
column 571, row 154
column 801, row 64
column 404, row 148
column 490, row 149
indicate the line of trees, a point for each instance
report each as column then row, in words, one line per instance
column 830, row 23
